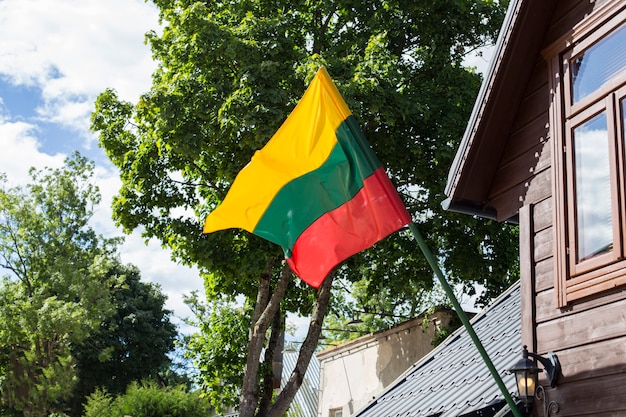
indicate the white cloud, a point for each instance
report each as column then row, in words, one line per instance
column 153, row 261
column 72, row 49
column 20, row 151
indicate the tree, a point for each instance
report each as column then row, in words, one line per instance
column 130, row 345
column 218, row 349
column 229, row 74
column 55, row 288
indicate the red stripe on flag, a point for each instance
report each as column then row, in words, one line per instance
column 373, row 214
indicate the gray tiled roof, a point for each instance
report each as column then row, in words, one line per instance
column 453, row 380
column 305, row 402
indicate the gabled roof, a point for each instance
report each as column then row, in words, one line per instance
column 453, row 380
column 477, row 158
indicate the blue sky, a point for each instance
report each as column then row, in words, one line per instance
column 56, row 56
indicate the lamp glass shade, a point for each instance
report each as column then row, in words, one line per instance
column 526, row 384
column 526, row 375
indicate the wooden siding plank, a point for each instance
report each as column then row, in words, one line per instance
column 565, row 17
column 539, row 77
column 544, row 275
column 542, row 215
column 545, row 158
column 585, row 398
column 508, row 203
column 526, row 276
column 602, row 323
column 544, row 244
column 525, row 140
column 592, row 361
column 518, row 171
column 546, row 310
column 533, row 108
column 540, row 187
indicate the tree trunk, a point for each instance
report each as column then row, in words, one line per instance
column 250, row 388
column 267, row 390
column 307, row 349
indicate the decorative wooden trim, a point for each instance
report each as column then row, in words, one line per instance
column 527, row 278
column 558, row 180
column 602, row 282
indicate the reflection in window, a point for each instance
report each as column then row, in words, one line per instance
column 593, row 188
column 598, row 64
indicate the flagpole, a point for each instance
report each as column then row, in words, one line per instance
column 455, row 303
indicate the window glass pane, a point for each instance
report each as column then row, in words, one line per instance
column 598, row 64
column 593, row 188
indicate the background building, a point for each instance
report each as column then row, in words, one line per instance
column 353, row 373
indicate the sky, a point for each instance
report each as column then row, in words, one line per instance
column 56, row 56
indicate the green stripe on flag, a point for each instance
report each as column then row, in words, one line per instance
column 305, row 199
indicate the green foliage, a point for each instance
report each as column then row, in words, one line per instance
column 131, row 345
column 229, row 74
column 362, row 313
column 55, row 288
column 441, row 331
column 218, row 350
column 148, row 400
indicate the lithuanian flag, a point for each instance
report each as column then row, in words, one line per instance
column 317, row 189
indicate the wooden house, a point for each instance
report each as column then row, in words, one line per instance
column 546, row 148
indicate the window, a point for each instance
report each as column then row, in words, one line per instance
column 588, row 116
column 336, row 412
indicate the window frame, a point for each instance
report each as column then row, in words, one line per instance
column 334, row 411
column 582, row 267
column 573, row 279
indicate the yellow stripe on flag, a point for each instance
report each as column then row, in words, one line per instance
column 302, row 144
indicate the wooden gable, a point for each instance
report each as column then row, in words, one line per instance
column 504, row 144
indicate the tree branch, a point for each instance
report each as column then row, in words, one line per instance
column 208, row 180
column 20, row 269
column 306, row 350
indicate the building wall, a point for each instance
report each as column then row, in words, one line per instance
column 588, row 335
column 352, row 374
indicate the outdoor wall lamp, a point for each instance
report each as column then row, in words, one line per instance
column 526, row 375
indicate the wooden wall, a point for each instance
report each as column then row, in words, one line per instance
column 589, row 336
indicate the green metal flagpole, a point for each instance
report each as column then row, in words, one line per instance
column 455, row 303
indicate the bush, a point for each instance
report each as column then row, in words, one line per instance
column 148, row 400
